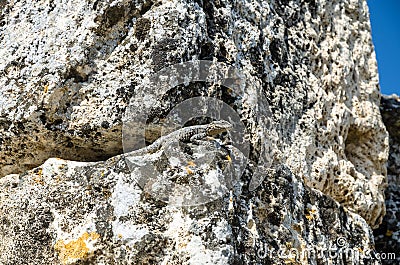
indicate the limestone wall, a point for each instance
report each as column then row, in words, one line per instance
column 69, row 69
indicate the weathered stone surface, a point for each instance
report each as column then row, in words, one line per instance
column 387, row 236
column 64, row 212
column 68, row 70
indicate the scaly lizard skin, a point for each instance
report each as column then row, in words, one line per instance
column 191, row 133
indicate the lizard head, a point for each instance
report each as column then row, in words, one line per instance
column 217, row 127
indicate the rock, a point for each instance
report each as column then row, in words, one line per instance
column 66, row 211
column 71, row 69
column 387, row 236
column 313, row 63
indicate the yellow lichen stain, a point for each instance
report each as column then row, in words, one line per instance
column 38, row 178
column 58, row 179
column 189, row 171
column 76, row 249
column 311, row 214
column 46, row 89
column 309, row 217
column 291, row 260
column 191, row 164
column 182, row 244
column 389, row 233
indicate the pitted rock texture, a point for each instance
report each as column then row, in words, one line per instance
column 66, row 212
column 69, row 68
column 387, row 236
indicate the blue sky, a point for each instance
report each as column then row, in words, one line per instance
column 385, row 23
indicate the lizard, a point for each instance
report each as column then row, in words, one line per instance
column 191, row 133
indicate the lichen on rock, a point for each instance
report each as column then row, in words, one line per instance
column 95, row 212
column 70, row 69
column 76, row 249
